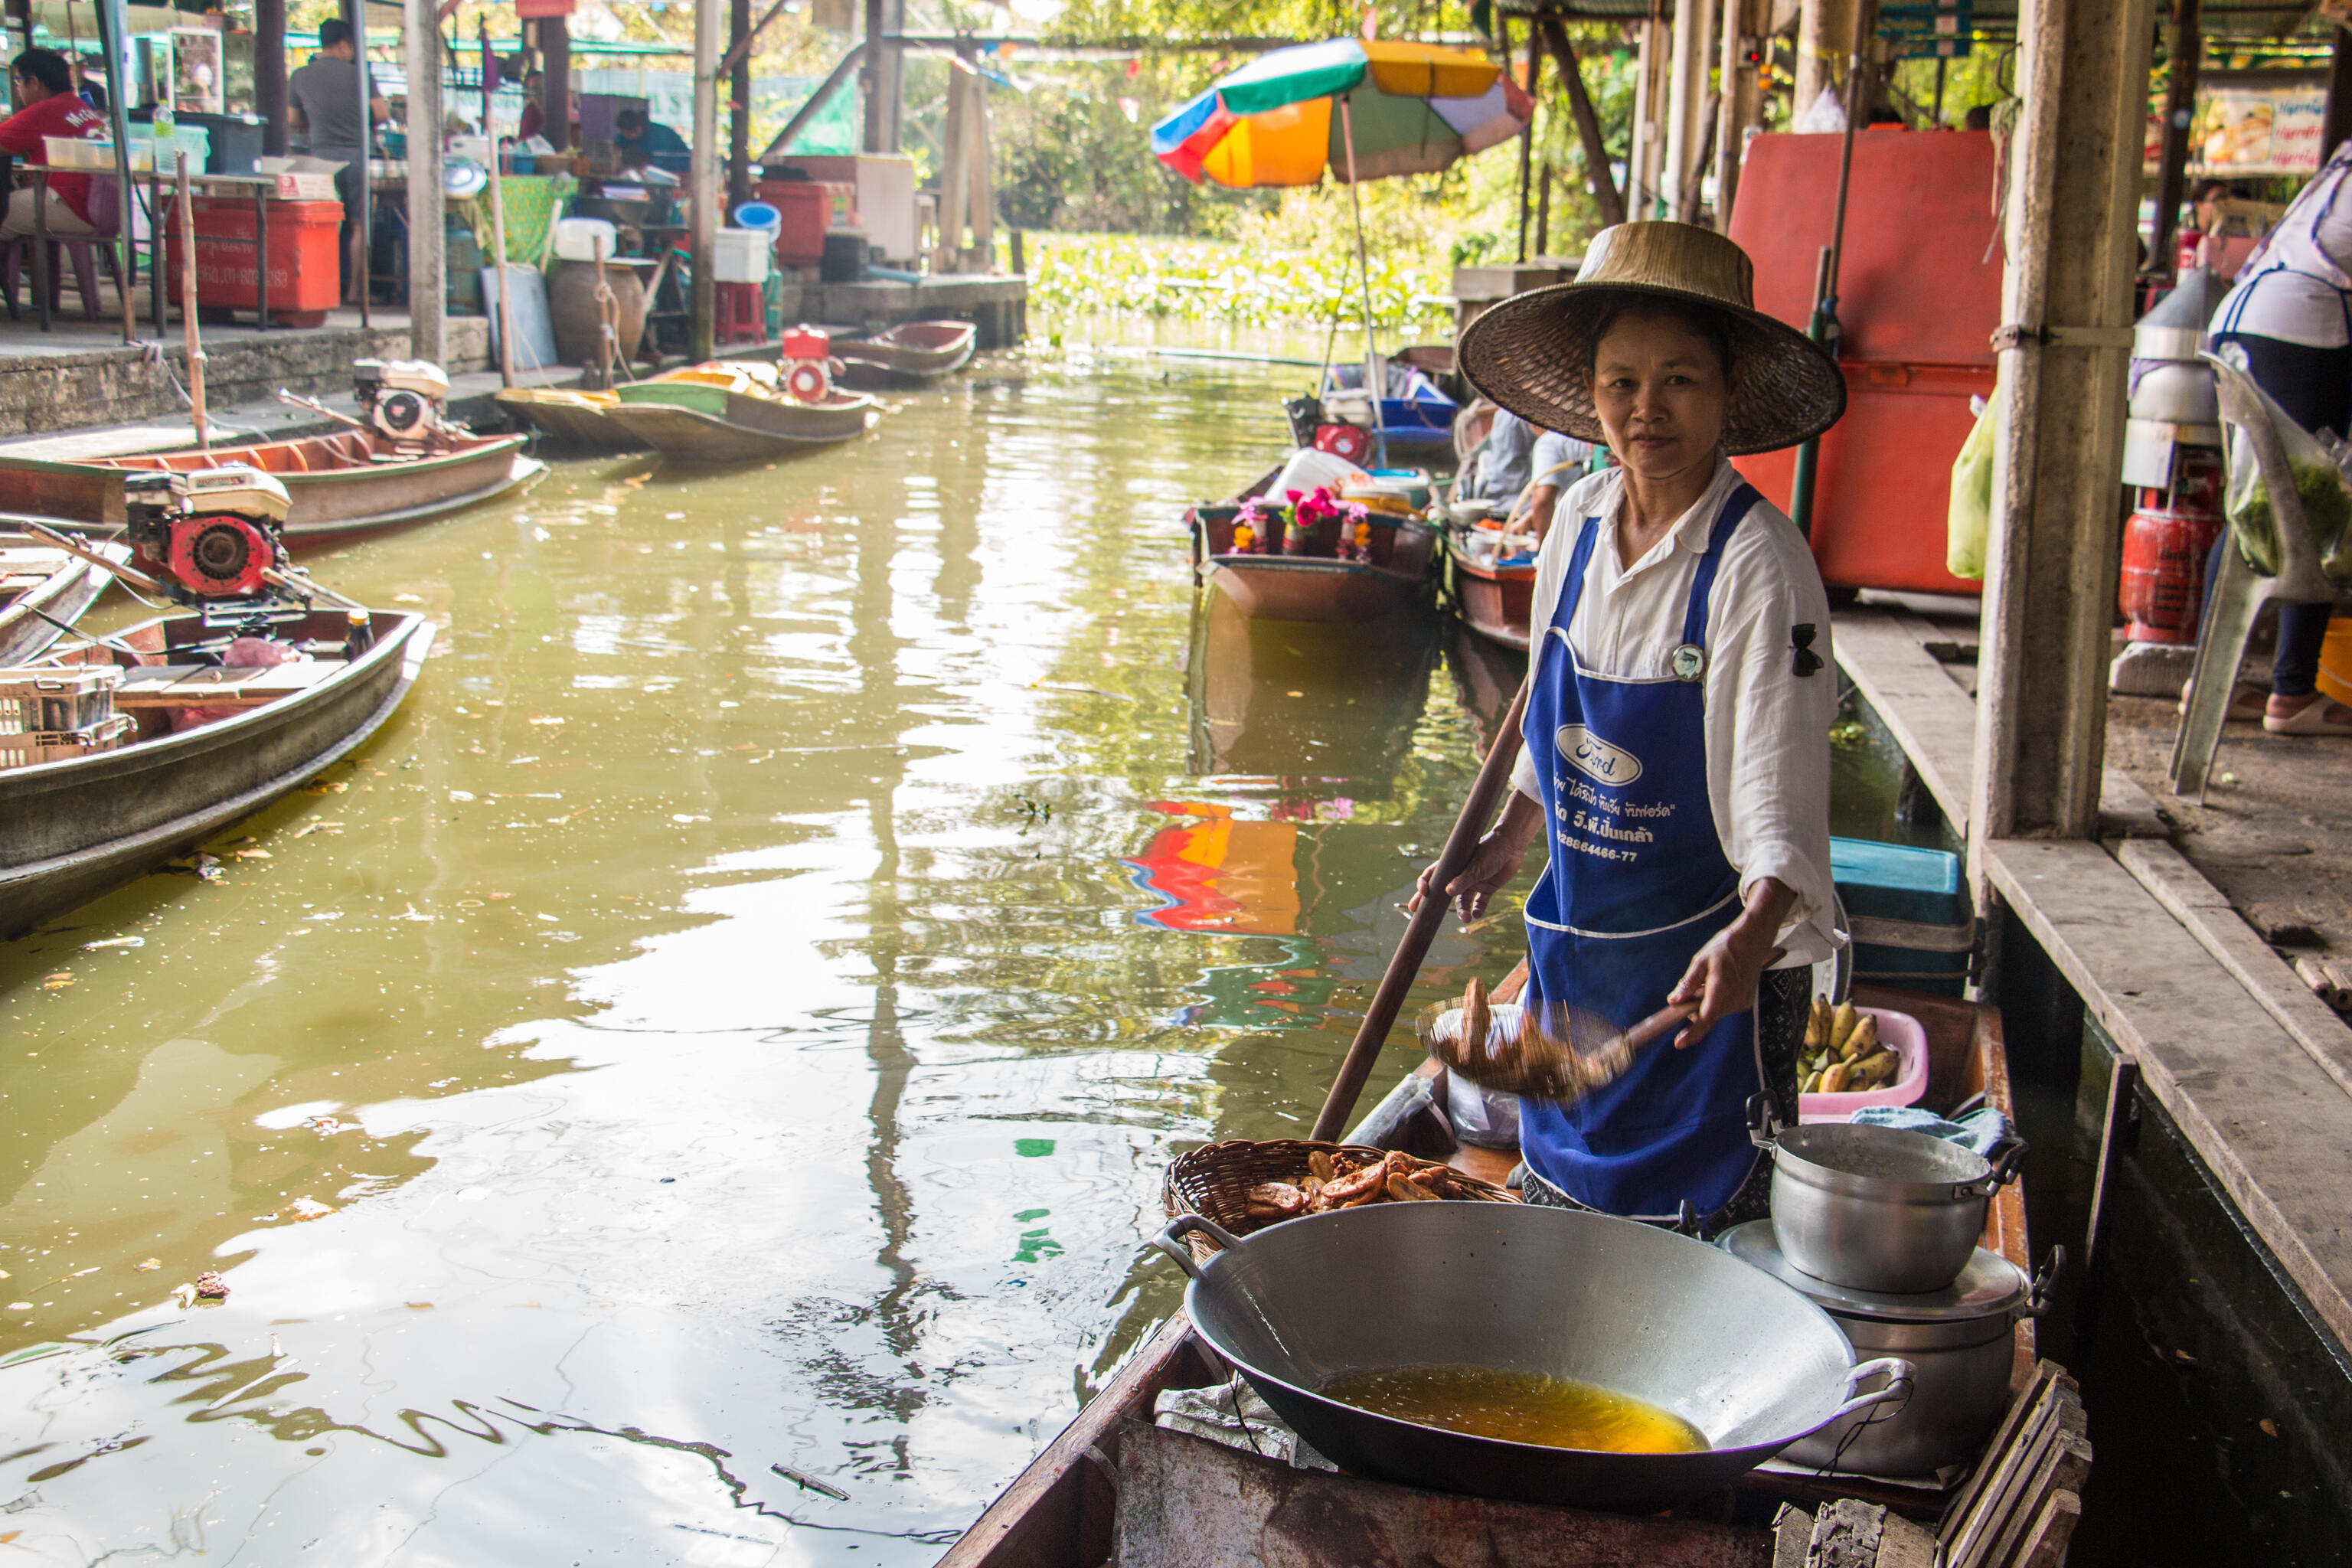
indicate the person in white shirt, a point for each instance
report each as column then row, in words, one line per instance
column 2288, row 315
column 1678, row 709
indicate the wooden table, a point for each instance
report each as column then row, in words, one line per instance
column 259, row 186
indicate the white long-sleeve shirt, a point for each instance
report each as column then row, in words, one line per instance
column 1767, row 748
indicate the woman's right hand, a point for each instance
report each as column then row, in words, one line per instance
column 1492, row 865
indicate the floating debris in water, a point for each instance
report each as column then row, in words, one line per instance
column 211, row 1287
column 810, row 1483
column 114, row 941
column 147, row 1265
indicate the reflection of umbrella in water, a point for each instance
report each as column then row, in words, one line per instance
column 1220, row 873
column 1334, row 702
column 1403, row 108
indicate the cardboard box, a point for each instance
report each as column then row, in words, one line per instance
column 303, row 179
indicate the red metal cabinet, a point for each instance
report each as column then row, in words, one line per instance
column 1919, row 298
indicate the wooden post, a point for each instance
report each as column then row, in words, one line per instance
column 428, row 290
column 504, row 304
column 1686, row 93
column 1543, row 209
column 269, row 74
column 1527, row 136
column 704, row 181
column 873, row 71
column 184, row 213
column 362, row 226
column 1598, row 178
column 2185, row 46
column 2066, row 310
column 2338, row 122
column 955, row 169
column 1741, row 105
column 739, row 93
column 555, row 81
column 978, row 198
column 1824, row 36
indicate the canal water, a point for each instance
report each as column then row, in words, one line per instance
column 696, row 1089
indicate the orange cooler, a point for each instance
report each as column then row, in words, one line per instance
column 305, row 270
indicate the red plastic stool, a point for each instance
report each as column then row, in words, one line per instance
column 742, row 314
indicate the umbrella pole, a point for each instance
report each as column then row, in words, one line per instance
column 1364, row 268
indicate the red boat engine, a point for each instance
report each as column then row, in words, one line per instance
column 212, row 533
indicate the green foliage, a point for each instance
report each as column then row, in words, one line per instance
column 1249, row 283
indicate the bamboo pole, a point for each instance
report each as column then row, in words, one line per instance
column 1364, row 267
column 498, row 233
column 185, row 214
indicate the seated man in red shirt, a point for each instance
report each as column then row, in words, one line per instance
column 44, row 84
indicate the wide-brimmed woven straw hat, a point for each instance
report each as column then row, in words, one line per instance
column 1531, row 353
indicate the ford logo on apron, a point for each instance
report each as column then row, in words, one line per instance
column 1589, row 753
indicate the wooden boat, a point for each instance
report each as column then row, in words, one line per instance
column 730, row 412
column 1495, row 601
column 914, row 354
column 568, row 417
column 71, row 829
column 1314, row 587
column 43, row 590
column 345, row 482
column 1059, row 1512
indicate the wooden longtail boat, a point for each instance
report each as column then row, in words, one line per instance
column 1496, row 601
column 71, row 829
column 568, row 417
column 1059, row 1512
column 36, row 577
column 914, row 354
column 730, row 412
column 345, row 482
column 1314, row 587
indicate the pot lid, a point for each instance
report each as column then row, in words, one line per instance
column 1990, row 1284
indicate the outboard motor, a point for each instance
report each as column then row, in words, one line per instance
column 405, row 401
column 210, row 534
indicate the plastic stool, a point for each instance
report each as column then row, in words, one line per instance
column 741, row 314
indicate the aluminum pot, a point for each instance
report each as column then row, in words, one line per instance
column 1742, row 1357
column 1878, row 1209
column 1958, row 1341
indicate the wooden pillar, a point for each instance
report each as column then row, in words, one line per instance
column 955, row 170
column 1639, row 189
column 1598, row 178
column 704, row 181
column 427, row 256
column 1527, row 137
column 1825, row 40
column 893, row 76
column 1744, row 24
column 2185, row 46
column 739, row 93
column 873, row 74
column 269, row 74
column 555, row 85
column 2337, row 124
column 2066, row 309
column 979, row 198
column 1686, row 99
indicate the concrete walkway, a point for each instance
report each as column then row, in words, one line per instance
column 2254, row 1069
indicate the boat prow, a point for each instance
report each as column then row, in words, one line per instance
column 567, row 418
column 915, row 354
column 44, row 590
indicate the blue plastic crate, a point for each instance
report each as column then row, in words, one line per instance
column 1909, row 913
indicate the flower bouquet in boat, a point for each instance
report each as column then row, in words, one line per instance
column 1347, row 548
column 119, row 753
column 401, row 459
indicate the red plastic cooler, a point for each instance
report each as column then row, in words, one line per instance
column 305, row 270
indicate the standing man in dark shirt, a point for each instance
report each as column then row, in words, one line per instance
column 323, row 99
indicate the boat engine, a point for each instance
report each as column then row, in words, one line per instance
column 804, row 364
column 404, row 400
column 210, row 534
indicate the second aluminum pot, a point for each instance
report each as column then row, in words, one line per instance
column 1878, row 1209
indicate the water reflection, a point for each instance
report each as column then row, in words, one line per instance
column 728, row 1029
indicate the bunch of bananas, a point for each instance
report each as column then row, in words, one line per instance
column 1841, row 1053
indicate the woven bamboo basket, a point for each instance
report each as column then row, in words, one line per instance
column 1214, row 1180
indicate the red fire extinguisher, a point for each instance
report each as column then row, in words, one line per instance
column 2165, row 548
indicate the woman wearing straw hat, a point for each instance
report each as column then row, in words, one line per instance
column 1678, row 715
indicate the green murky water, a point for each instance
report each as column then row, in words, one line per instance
column 737, row 1015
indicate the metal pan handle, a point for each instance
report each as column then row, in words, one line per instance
column 2045, row 1282
column 1897, row 1391
column 1170, row 1240
column 2006, row 1155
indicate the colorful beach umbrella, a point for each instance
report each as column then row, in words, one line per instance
column 1409, row 109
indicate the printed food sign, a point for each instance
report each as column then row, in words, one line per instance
column 2249, row 122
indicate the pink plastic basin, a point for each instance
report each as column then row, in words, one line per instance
column 1903, row 1032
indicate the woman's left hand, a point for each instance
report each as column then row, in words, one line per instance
column 1724, row 974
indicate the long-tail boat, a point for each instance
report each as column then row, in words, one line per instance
column 43, row 591
column 731, row 410
column 915, row 354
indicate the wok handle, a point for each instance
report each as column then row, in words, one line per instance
column 1170, row 1240
column 1896, row 1392
column 2003, row 1172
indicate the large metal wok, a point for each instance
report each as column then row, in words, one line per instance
column 1747, row 1361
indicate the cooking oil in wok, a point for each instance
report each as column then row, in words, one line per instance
column 1518, row 1407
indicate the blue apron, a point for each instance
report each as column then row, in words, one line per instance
column 1637, row 883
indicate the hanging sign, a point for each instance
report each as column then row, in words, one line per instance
column 2250, row 123
column 535, row 8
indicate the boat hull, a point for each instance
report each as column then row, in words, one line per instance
column 1496, row 601
column 335, row 486
column 751, row 434
column 912, row 355
column 72, row 830
column 569, row 424
column 69, row 591
column 1301, row 588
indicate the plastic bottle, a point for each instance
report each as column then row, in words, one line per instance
column 359, row 634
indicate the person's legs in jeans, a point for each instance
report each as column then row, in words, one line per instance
column 2313, row 386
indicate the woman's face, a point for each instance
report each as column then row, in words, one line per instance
column 1660, row 394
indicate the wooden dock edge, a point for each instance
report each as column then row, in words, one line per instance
column 2254, row 1071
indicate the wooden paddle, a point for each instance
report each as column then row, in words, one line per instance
column 1404, row 964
